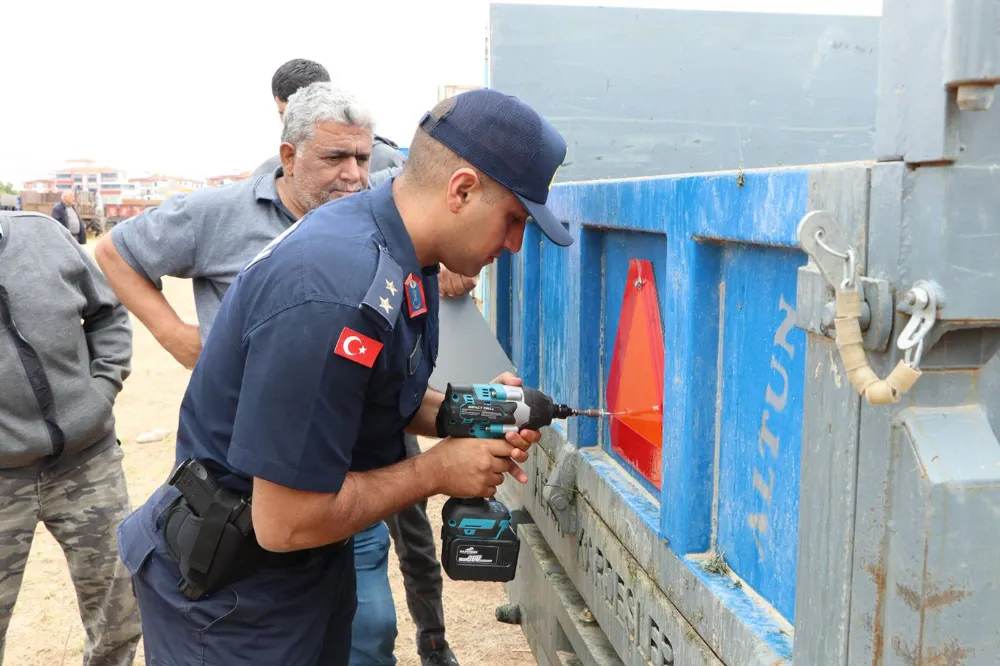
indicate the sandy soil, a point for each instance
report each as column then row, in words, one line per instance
column 46, row 629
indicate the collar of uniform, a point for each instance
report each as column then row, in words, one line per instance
column 394, row 231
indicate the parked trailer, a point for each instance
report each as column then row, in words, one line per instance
column 765, row 513
column 86, row 206
column 116, row 213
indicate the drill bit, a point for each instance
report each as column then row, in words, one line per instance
column 594, row 413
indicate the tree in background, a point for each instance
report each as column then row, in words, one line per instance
column 7, row 188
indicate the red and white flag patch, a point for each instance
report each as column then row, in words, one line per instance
column 358, row 348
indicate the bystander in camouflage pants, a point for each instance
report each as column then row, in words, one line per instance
column 81, row 509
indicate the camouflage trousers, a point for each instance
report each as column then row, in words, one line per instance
column 81, row 509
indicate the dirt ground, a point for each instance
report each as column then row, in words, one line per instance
column 46, row 629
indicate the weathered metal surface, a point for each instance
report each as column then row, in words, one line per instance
column 642, row 92
column 831, row 409
column 555, row 617
column 721, row 246
column 942, row 592
column 924, row 44
column 926, row 475
column 874, row 547
column 641, row 594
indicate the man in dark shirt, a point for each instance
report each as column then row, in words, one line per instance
column 317, row 363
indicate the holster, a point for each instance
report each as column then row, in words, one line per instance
column 209, row 532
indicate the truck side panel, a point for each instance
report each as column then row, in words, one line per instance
column 647, row 92
column 713, row 551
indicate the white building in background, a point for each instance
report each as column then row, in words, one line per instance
column 109, row 183
column 159, row 186
column 228, row 179
column 42, row 185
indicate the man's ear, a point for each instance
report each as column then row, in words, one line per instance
column 460, row 187
column 287, row 154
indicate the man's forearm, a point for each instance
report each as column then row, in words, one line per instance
column 136, row 293
column 424, row 422
column 364, row 499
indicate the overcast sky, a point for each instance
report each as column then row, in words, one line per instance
column 183, row 87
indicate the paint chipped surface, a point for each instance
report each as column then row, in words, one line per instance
column 834, row 370
column 878, row 576
column 951, row 654
column 931, row 599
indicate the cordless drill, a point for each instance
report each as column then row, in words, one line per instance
column 477, row 539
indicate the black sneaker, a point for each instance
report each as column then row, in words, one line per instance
column 435, row 652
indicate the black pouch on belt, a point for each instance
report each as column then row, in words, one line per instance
column 208, row 532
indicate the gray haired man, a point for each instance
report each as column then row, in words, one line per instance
column 210, row 235
column 299, row 73
column 65, row 350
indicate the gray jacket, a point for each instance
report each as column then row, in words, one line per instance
column 65, row 350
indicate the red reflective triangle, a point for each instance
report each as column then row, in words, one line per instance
column 635, row 381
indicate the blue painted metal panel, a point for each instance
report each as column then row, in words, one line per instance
column 761, row 421
column 556, row 343
column 721, row 248
column 528, row 300
column 711, row 213
column 500, row 292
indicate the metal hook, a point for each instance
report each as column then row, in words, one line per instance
column 922, row 319
column 913, row 355
column 819, row 236
column 852, row 269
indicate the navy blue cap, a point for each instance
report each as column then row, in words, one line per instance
column 508, row 141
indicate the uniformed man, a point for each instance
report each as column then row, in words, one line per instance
column 318, row 360
column 208, row 236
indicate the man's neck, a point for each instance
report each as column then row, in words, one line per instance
column 417, row 221
column 288, row 197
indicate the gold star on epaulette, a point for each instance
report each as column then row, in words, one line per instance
column 384, row 304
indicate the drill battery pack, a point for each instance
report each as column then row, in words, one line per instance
column 477, row 541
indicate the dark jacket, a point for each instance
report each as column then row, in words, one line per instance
column 59, row 213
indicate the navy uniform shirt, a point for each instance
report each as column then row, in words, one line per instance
column 314, row 364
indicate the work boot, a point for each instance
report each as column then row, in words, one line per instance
column 434, row 651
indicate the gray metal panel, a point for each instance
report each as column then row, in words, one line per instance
column 952, row 212
column 942, row 596
column 918, row 117
column 555, row 617
column 640, row 92
column 918, row 580
column 634, row 585
column 468, row 351
column 831, row 413
column 866, row 642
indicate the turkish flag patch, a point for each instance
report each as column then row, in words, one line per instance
column 358, row 348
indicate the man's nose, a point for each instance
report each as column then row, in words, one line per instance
column 515, row 236
column 351, row 171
